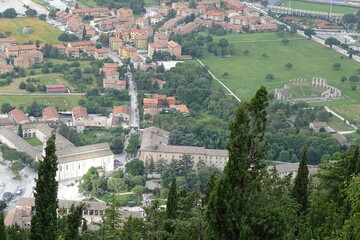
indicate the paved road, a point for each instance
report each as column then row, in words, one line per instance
column 134, row 119
column 222, row 84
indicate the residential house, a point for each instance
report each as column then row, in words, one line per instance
column 150, row 103
column 149, row 31
column 79, row 113
column 159, row 82
column 15, row 51
column 112, row 23
column 235, row 4
column 156, row 18
column 28, row 59
column 203, row 22
column 61, row 48
column 240, row 20
column 113, row 75
column 136, row 32
column 155, row 47
column 187, row 28
column 182, row 108
column 251, row 12
column 56, row 88
column 101, row 53
column 72, row 52
column 122, row 113
column 161, row 99
column 22, row 62
column 4, row 68
column 114, row 84
column 115, row 42
column 51, row 116
column 142, row 22
column 317, row 126
column 127, row 52
column 92, row 12
column 174, row 49
column 170, row 24
column 137, row 60
column 140, row 41
column 121, row 12
column 7, row 42
column 180, row 5
column 82, row 44
column 165, row 10
column 264, row 27
column 170, row 100
column 215, row 15
column 89, row 50
column 161, row 39
column 109, row 67
column 19, row 116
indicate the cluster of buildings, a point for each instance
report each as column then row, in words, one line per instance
column 155, row 145
column 112, row 77
column 162, row 103
column 73, row 49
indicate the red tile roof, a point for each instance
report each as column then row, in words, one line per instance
column 50, row 112
column 80, row 111
column 19, row 115
column 122, row 109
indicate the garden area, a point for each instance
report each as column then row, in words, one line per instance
column 266, row 54
column 40, row 30
column 33, row 141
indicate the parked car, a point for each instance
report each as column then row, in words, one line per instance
column 18, row 191
column 2, row 184
column 7, row 196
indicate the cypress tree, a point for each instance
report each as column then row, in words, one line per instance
column 226, row 212
column 171, row 204
column 20, row 131
column 44, row 221
column 73, row 222
column 300, row 191
column 2, row 227
column 209, row 188
column 84, row 33
column 353, row 164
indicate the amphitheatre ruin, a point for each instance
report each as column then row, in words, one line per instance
column 302, row 90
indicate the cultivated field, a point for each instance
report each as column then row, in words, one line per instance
column 64, row 102
column 309, row 59
column 320, row 7
column 40, row 30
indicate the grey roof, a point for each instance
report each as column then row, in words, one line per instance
column 30, row 202
column 20, row 143
column 154, row 136
column 187, row 150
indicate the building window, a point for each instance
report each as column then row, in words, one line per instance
column 60, row 168
column 66, row 167
column 79, row 166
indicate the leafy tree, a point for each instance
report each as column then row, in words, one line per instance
column 3, row 205
column 289, row 66
column 6, row 107
column 34, row 109
column 285, row 41
column 31, row 12
column 117, row 145
column 73, row 222
column 265, row 56
column 171, row 204
column 44, row 221
column 331, row 41
column 42, row 17
column 246, row 52
column 138, row 190
column 269, row 77
column 226, row 213
column 309, row 32
column 343, row 79
column 2, row 227
column 147, row 116
column 10, row 13
column 354, row 78
column 300, row 191
column 20, row 131
column 349, row 18
column 110, row 227
column 135, row 167
column 336, row 66
column 116, row 184
column 92, row 184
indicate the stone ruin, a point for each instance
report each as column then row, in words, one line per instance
column 330, row 92
column 26, row 30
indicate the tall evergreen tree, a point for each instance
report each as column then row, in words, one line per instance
column 354, row 163
column 300, row 191
column 44, row 221
column 73, row 222
column 226, row 213
column 20, row 131
column 171, row 204
column 209, row 188
column 83, row 33
column 2, row 227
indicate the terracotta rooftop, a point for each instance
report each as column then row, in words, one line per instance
column 50, row 112
column 150, row 100
column 6, row 40
column 80, row 111
column 122, row 109
column 21, row 47
column 19, row 115
column 85, row 10
column 112, row 72
column 161, row 36
column 162, row 97
column 173, row 44
column 83, row 43
column 111, row 65
column 101, row 50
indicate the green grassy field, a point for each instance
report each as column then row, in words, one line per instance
column 309, row 59
column 338, row 125
column 122, row 200
column 304, row 90
column 320, row 7
column 89, row 3
column 34, row 141
column 40, row 30
column 349, row 111
column 42, row 3
column 64, row 102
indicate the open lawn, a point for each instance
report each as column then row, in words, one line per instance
column 350, row 112
column 247, row 73
column 338, row 125
column 63, row 102
column 42, row 3
column 34, row 141
column 320, row 7
column 40, row 30
column 89, row 3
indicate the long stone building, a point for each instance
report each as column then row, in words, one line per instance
column 155, row 145
column 73, row 162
